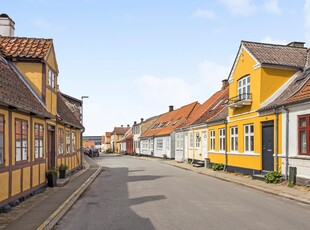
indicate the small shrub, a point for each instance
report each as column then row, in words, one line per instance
column 217, row 166
column 290, row 184
column 63, row 167
column 51, row 171
column 273, row 177
column 165, row 156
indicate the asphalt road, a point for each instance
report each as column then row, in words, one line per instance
column 140, row 194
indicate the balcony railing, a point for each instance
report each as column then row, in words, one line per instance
column 240, row 100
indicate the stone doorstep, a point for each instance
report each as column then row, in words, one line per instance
column 62, row 182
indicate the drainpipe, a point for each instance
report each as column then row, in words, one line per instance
column 226, row 156
column 276, row 136
column 287, row 142
column 81, row 147
column 193, row 145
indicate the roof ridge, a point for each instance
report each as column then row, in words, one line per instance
column 272, row 44
column 48, row 39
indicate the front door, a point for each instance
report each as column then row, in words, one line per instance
column 204, row 145
column 268, row 141
column 51, row 147
column 185, row 148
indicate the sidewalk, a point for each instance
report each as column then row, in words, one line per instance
column 43, row 210
column 297, row 193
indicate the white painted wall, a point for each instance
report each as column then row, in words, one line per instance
column 300, row 161
column 166, row 148
column 179, row 146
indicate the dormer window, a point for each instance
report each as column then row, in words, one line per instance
column 244, row 88
column 51, row 79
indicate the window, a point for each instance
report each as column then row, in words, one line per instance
column 159, row 144
column 68, row 141
column 73, row 142
column 304, row 135
column 179, row 141
column 1, row 139
column 249, row 138
column 176, row 121
column 38, row 140
column 21, row 140
column 244, row 88
column 168, row 143
column 197, row 142
column 60, row 141
column 51, row 79
column 152, row 144
column 234, row 139
column 222, row 139
column 212, row 140
column 191, row 140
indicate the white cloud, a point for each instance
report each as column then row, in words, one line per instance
column 272, row 6
column 239, row 7
column 172, row 90
column 211, row 75
column 270, row 40
column 205, row 13
column 307, row 20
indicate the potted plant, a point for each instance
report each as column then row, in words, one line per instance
column 62, row 171
column 51, row 177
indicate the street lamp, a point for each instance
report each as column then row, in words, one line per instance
column 82, row 131
column 82, row 108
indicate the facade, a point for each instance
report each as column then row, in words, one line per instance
column 191, row 137
column 116, row 135
column 293, row 103
column 126, row 142
column 253, row 140
column 159, row 140
column 39, row 127
column 92, row 141
column 106, row 144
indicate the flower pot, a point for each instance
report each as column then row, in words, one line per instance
column 52, row 179
column 62, row 173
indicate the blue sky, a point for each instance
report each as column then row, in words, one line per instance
column 135, row 58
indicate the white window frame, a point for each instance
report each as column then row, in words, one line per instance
column 212, row 140
column 191, row 140
column 159, row 144
column 222, row 137
column 51, row 78
column 244, row 88
column 197, row 140
column 248, row 135
column 168, row 143
column 234, row 139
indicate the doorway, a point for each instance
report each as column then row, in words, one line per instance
column 268, row 146
column 51, row 147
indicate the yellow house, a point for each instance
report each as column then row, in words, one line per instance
column 116, row 135
column 252, row 140
column 39, row 126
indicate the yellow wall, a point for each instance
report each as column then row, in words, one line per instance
column 26, row 178
column 6, row 135
column 42, row 173
column 4, row 185
column 35, row 175
column 16, row 179
column 33, row 73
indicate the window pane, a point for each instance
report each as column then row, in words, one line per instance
column 303, row 142
column 246, row 129
column 252, row 129
column 246, row 143
column 236, row 143
column 236, row 130
column 18, row 154
column 303, row 122
column 252, row 143
column 1, row 156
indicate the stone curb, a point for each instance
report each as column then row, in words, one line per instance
column 53, row 219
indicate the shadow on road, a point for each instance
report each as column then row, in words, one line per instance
column 106, row 203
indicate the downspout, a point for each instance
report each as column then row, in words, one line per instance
column 276, row 136
column 193, row 145
column 286, row 144
column 226, row 156
column 81, row 147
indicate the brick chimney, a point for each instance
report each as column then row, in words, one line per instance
column 121, row 126
column 225, row 83
column 7, row 26
column 141, row 120
column 128, row 126
column 134, row 123
column 296, row 44
column 170, row 108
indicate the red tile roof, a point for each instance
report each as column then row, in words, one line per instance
column 170, row 121
column 120, row 130
column 11, row 47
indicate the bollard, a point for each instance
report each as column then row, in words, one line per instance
column 292, row 175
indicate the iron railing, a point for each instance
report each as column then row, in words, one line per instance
column 240, row 97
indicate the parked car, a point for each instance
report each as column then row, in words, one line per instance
column 91, row 152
